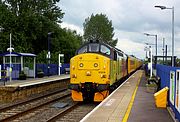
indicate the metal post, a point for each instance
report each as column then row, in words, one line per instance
column 151, row 63
column 150, row 52
column 60, row 63
column 163, row 49
column 49, row 54
column 173, row 36
column 155, row 35
column 156, row 44
column 10, row 69
column 166, row 54
column 156, row 51
column 162, row 8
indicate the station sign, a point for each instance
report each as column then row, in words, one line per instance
column 177, row 95
column 172, row 87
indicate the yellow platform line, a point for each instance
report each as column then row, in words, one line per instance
column 131, row 102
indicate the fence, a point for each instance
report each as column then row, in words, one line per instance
column 170, row 77
column 53, row 70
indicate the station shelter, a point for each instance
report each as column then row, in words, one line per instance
column 25, row 62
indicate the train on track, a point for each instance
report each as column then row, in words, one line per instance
column 97, row 68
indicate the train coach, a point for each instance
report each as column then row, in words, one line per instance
column 98, row 68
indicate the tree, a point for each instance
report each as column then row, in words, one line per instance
column 98, row 27
column 29, row 21
column 33, row 20
column 66, row 42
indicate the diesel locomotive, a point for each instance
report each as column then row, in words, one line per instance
column 97, row 68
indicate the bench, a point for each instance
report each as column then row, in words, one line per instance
column 67, row 70
column 156, row 80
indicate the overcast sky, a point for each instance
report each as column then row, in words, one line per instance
column 130, row 19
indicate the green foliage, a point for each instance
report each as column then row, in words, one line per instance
column 29, row 22
column 177, row 62
column 72, row 43
column 98, row 27
column 41, row 57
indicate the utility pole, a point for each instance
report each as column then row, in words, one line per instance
column 10, row 62
column 49, row 53
column 166, row 54
column 163, row 49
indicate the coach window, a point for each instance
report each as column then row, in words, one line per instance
column 94, row 47
column 115, row 55
column 105, row 50
column 82, row 50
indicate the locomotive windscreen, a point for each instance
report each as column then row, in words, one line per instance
column 95, row 48
column 82, row 50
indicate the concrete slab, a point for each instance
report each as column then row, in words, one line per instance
column 35, row 81
column 144, row 108
column 114, row 107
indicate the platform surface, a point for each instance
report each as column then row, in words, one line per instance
column 33, row 81
column 144, row 109
column 115, row 108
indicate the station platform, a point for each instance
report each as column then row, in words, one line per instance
column 22, row 89
column 34, row 81
column 130, row 102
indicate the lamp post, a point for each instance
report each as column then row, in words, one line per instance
column 149, row 44
column 49, row 54
column 10, row 49
column 147, row 34
column 1, row 29
column 163, row 49
column 150, row 55
column 162, row 8
column 146, row 49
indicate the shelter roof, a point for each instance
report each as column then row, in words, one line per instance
column 18, row 54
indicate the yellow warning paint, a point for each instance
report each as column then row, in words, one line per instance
column 131, row 102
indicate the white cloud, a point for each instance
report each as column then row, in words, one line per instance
column 130, row 18
column 78, row 29
column 131, row 48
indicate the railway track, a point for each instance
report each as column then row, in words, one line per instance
column 12, row 112
column 73, row 113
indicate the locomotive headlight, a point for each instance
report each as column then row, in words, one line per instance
column 73, row 76
column 103, row 76
column 81, row 64
column 95, row 65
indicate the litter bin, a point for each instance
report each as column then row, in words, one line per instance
column 161, row 98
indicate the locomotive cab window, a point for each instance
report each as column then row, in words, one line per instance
column 94, row 47
column 82, row 50
column 105, row 50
